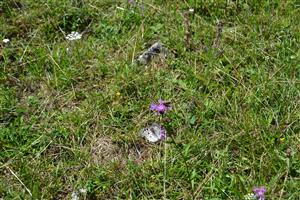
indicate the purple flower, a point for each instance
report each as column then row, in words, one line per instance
column 163, row 133
column 161, row 108
column 260, row 192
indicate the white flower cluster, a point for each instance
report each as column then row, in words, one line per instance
column 73, row 36
column 76, row 195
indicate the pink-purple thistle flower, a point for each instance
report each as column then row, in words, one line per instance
column 260, row 192
column 161, row 108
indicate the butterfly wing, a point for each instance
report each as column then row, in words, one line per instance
column 152, row 133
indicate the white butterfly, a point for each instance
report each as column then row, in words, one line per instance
column 157, row 49
column 152, row 133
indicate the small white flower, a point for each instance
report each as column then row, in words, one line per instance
column 191, row 10
column 6, row 41
column 75, row 196
column 74, row 36
column 82, row 190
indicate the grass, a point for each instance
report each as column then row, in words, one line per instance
column 70, row 111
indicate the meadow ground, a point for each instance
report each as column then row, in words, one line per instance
column 70, row 111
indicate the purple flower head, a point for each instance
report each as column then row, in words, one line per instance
column 163, row 133
column 260, row 192
column 131, row 1
column 161, row 108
